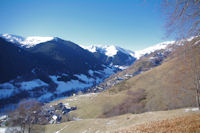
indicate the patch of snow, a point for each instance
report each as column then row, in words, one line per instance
column 191, row 38
column 64, row 74
column 191, row 109
column 195, row 109
column 91, row 72
column 27, row 42
column 91, row 48
column 70, row 85
column 108, row 71
column 54, row 117
column 98, row 80
column 97, row 72
column 29, row 85
column 11, row 130
column 84, row 78
column 111, row 51
column 121, row 67
column 152, row 58
column 72, row 99
column 3, row 117
column 7, row 90
column 77, row 119
column 7, row 85
column 3, row 130
column 197, row 42
column 87, row 95
column 45, row 96
column 66, row 105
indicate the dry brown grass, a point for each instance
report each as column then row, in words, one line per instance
column 185, row 124
column 174, row 119
column 168, row 86
column 133, row 103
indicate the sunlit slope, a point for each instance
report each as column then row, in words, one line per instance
column 168, row 86
column 132, row 122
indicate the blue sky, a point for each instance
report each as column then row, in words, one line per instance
column 132, row 24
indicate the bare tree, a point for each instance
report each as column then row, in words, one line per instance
column 26, row 115
column 183, row 17
column 183, row 21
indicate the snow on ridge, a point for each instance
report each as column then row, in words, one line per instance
column 109, row 50
column 7, row 89
column 84, row 78
column 121, row 67
column 26, row 42
column 151, row 49
column 29, row 85
column 70, row 85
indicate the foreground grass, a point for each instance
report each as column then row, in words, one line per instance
column 166, row 87
column 92, row 105
column 185, row 124
column 164, row 121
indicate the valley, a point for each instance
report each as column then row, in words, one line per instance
column 155, row 81
column 52, row 67
column 99, row 66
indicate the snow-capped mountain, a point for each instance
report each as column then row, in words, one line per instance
column 112, row 55
column 26, row 42
column 154, row 48
column 47, row 68
column 112, row 50
column 109, row 51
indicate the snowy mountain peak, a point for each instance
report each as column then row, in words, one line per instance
column 151, row 49
column 26, row 42
column 110, row 51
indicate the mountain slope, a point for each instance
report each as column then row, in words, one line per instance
column 164, row 45
column 69, row 54
column 25, row 42
column 57, row 68
column 178, row 120
column 47, row 71
column 14, row 61
column 167, row 86
column 112, row 55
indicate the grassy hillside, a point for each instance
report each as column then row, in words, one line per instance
column 168, row 86
column 184, row 124
column 92, row 105
column 129, row 122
